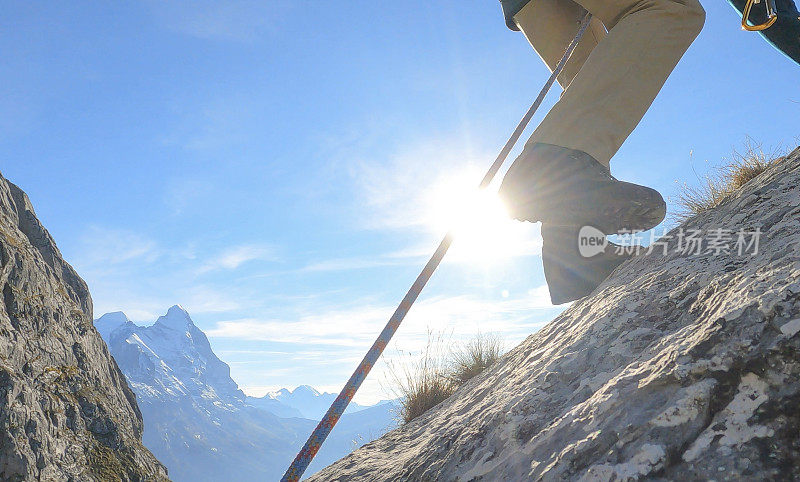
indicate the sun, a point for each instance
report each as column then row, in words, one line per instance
column 484, row 233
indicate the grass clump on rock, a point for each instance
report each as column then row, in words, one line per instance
column 474, row 357
column 436, row 374
column 716, row 186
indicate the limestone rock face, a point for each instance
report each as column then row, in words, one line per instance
column 66, row 412
column 680, row 366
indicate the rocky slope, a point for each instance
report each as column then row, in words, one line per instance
column 681, row 366
column 198, row 422
column 66, row 412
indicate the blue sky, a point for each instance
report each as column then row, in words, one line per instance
column 281, row 168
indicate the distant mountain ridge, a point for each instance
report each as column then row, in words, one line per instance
column 305, row 400
column 197, row 420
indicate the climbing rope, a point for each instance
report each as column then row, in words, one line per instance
column 318, row 436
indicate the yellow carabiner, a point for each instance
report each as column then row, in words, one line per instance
column 772, row 16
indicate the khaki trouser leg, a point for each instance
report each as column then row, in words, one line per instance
column 550, row 25
column 612, row 79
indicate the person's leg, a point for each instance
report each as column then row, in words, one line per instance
column 550, row 25
column 622, row 75
column 561, row 177
column 570, row 273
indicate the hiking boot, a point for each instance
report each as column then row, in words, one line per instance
column 565, row 187
column 572, row 272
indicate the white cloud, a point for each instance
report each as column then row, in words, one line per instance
column 201, row 299
column 130, row 272
column 143, row 304
column 337, row 327
column 101, row 247
column 394, row 258
column 346, row 264
column 235, row 256
column 358, row 326
column 324, row 348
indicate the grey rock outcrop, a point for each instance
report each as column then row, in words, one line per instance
column 680, row 366
column 66, row 412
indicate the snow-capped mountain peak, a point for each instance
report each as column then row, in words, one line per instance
column 301, row 391
column 110, row 322
column 177, row 318
column 282, row 393
column 307, row 400
column 172, row 357
column 200, row 424
column 306, row 390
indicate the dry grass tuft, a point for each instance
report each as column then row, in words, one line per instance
column 430, row 379
column 422, row 383
column 474, row 357
column 717, row 185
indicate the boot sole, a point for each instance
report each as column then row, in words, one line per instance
column 621, row 216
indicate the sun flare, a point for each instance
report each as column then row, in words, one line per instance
column 484, row 233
